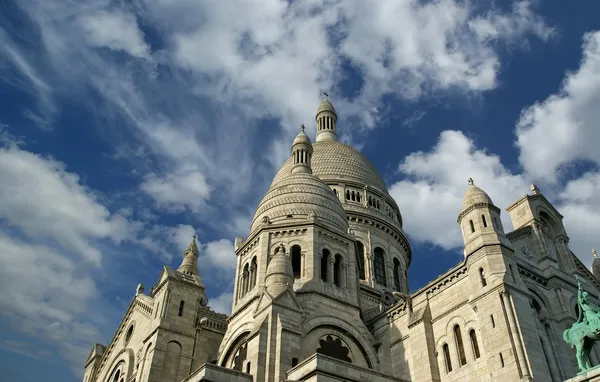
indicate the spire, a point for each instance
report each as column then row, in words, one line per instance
column 326, row 121
column 302, row 153
column 189, row 264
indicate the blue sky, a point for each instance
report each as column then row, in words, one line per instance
column 128, row 126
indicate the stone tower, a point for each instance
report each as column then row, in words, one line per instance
column 297, row 288
column 164, row 335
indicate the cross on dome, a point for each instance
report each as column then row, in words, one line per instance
column 594, row 253
column 471, row 181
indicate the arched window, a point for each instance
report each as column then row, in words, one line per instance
column 483, row 220
column 324, row 261
column 447, row 360
column 462, row 358
column 397, row 274
column 347, row 194
column 370, row 201
column 358, row 197
column 129, row 333
column 361, row 260
column 245, row 279
column 474, row 343
column 337, row 270
column 335, row 192
column 296, row 261
column 253, row 269
column 482, row 277
column 472, row 226
column 180, row 312
column 118, row 374
column 379, row 266
column 248, row 368
column 353, row 196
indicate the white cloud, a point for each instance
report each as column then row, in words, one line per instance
column 219, row 254
column 437, row 180
column 178, row 190
column 222, row 303
column 45, row 295
column 116, row 30
column 564, row 128
column 44, row 201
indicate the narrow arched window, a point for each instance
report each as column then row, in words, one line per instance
column 245, row 279
column 358, row 197
column 447, row 360
column 483, row 220
column 462, row 358
column 397, row 274
column 337, row 270
column 361, row 260
column 324, row 261
column 370, row 201
column 482, row 277
column 157, row 310
column 378, row 207
column 347, row 194
column 248, row 368
column 353, row 196
column 379, row 266
column 253, row 269
column 472, row 226
column 296, row 261
column 474, row 343
column 180, row 312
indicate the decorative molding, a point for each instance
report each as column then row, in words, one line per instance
column 519, row 233
column 477, row 206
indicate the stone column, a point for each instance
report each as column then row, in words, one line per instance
column 303, row 265
column 330, row 263
column 344, row 275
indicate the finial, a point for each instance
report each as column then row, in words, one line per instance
column 302, row 127
column 194, row 237
column 534, row 189
column 470, row 181
column 326, row 94
column 594, row 253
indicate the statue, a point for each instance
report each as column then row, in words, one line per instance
column 586, row 330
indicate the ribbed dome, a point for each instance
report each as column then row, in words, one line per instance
column 302, row 138
column 474, row 195
column 332, row 160
column 325, row 106
column 297, row 196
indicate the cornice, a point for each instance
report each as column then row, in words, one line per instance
column 519, row 233
column 477, row 206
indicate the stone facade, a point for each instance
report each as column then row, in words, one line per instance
column 321, row 291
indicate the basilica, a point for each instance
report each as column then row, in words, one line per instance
column 321, row 291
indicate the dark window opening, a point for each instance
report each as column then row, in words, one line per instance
column 492, row 319
column 334, row 348
column 501, row 360
column 248, row 368
column 324, row 261
column 447, row 360
column 361, row 260
column 397, row 274
column 462, row 358
column 180, row 313
column 482, row 276
column 337, row 271
column 379, row 266
column 483, row 220
column 296, row 261
column 294, row 362
column 472, row 226
column 474, row 344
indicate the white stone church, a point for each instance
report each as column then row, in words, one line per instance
column 322, row 294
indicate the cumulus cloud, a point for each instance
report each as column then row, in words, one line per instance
column 563, row 129
column 437, row 180
column 178, row 190
column 219, row 254
column 222, row 303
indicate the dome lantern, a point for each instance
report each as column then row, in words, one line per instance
column 301, row 153
column 326, row 121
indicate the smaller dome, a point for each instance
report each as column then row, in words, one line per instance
column 326, row 105
column 279, row 272
column 474, row 195
column 301, row 138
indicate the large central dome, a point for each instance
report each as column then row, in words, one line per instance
column 335, row 161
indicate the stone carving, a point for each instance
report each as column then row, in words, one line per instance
column 266, row 220
column 334, row 348
column 586, row 330
column 312, row 215
column 526, row 251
